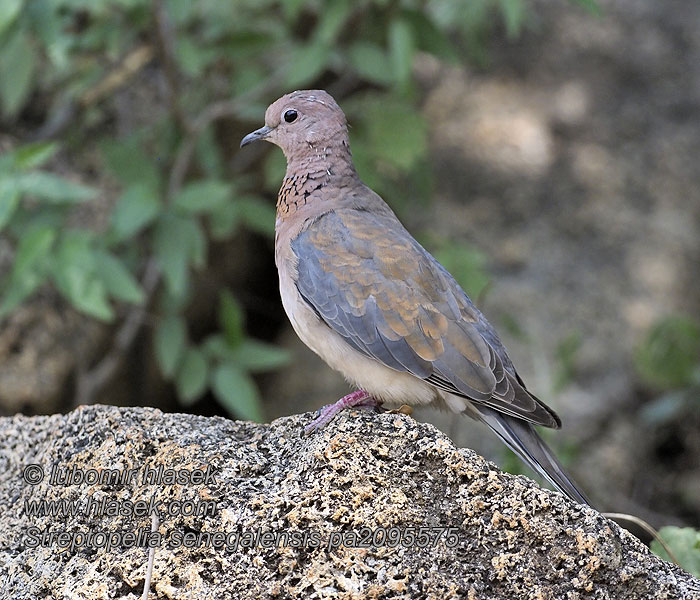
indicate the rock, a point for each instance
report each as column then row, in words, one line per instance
column 487, row 534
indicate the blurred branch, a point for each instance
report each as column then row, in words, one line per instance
column 213, row 112
column 89, row 383
column 62, row 118
column 165, row 43
column 132, row 63
column 183, row 158
column 644, row 526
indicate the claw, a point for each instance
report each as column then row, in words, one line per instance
column 357, row 399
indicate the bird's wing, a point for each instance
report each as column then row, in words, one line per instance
column 371, row 282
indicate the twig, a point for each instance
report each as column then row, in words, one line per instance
column 646, row 527
column 151, row 557
column 213, row 112
column 183, row 158
column 131, row 64
column 90, row 382
column 60, row 119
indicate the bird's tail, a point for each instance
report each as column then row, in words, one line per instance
column 522, row 438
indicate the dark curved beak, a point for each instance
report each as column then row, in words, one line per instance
column 258, row 134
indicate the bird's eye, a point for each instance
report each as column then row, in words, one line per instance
column 290, row 116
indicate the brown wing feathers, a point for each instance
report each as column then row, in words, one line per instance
column 391, row 300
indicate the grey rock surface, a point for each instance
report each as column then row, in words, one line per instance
column 501, row 536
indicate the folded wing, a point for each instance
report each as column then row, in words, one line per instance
column 372, row 283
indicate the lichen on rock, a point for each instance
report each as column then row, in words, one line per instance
column 373, row 506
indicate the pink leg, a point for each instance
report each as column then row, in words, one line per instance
column 360, row 398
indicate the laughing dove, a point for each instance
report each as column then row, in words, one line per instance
column 374, row 304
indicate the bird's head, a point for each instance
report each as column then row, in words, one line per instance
column 302, row 120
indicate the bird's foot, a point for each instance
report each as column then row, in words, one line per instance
column 404, row 409
column 358, row 399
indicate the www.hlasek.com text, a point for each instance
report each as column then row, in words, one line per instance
column 104, row 506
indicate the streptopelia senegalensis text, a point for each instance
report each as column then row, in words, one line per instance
column 374, row 304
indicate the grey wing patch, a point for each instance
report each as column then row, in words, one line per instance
column 391, row 300
column 327, row 281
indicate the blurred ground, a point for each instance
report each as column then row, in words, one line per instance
column 572, row 164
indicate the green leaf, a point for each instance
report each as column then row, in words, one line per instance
column 52, row 188
column 117, row 279
column 223, row 220
column 292, row 9
column 9, row 201
column 177, row 242
column 257, row 214
column 191, row 379
column 371, row 62
column 76, row 278
column 216, row 346
column 130, row 164
column 591, row 6
column 90, row 297
column 173, row 263
column 251, row 355
column 430, row 37
column 182, row 11
column 28, row 269
column 170, row 342
column 389, row 137
column 237, row 393
column 192, row 57
column 671, row 352
column 135, row 209
column 249, row 44
column 208, row 154
column 255, row 356
column 203, row 196
column 685, row 545
column 513, row 12
column 401, row 48
column 335, row 14
column 17, row 64
column 31, row 156
column 306, row 63
column 18, row 290
column 466, row 264
column 198, row 245
column 9, row 9
column 231, row 318
column 34, row 246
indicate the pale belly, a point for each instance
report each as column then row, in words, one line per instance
column 383, row 383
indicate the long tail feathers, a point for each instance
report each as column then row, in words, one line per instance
column 522, row 438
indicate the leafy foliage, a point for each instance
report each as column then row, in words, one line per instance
column 177, row 190
column 668, row 360
column 670, row 355
column 684, row 542
column 466, row 264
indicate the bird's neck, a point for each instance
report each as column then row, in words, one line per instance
column 308, row 172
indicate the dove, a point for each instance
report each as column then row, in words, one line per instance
column 368, row 299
